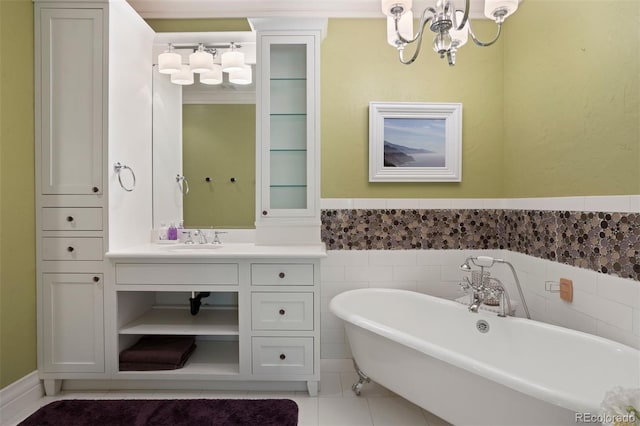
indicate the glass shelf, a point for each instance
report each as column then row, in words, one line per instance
column 288, row 186
column 286, row 114
column 288, row 79
column 288, row 150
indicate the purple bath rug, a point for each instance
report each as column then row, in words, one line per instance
column 170, row 412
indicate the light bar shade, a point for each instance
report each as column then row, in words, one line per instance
column 232, row 61
column 169, row 63
column 183, row 77
column 212, row 77
column 200, row 62
column 242, row 76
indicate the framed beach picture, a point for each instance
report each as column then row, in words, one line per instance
column 415, row 142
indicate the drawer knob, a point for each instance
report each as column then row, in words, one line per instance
column 70, row 249
column 264, row 212
column 96, row 279
column 283, row 356
column 281, row 275
column 281, row 312
column 95, row 189
column 69, row 218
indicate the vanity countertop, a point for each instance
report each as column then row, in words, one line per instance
column 230, row 250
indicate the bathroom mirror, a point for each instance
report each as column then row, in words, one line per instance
column 206, row 134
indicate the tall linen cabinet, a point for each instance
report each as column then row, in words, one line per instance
column 93, row 99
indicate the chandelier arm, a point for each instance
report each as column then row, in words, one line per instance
column 485, row 44
column 417, row 51
column 423, row 22
column 465, row 18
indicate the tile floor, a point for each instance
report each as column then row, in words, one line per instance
column 336, row 404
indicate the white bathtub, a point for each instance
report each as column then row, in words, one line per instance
column 429, row 351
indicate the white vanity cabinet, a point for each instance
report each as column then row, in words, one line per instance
column 288, row 130
column 259, row 328
column 78, row 132
column 73, row 337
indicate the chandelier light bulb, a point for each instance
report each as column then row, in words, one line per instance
column 405, row 27
column 169, row 62
column 212, row 77
column 462, row 36
column 499, row 10
column 183, row 77
column 201, row 61
column 389, row 6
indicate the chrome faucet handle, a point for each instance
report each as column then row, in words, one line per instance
column 188, row 240
column 216, row 237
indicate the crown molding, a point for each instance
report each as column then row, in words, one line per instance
column 192, row 9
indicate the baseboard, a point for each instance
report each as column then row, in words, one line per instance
column 19, row 395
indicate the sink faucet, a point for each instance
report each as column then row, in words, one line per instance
column 202, row 237
column 216, row 237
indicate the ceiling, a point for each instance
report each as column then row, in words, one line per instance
column 269, row 8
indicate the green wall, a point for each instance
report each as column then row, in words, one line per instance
column 358, row 66
column 219, row 141
column 17, row 223
column 572, row 99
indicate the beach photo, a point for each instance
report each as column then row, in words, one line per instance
column 414, row 142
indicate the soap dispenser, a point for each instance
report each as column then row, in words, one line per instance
column 172, row 232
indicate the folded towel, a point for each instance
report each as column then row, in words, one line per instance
column 152, row 366
column 162, row 350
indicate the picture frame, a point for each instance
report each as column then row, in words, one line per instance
column 415, row 142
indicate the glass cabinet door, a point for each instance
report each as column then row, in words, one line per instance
column 288, row 126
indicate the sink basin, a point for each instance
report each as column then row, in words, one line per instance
column 193, row 247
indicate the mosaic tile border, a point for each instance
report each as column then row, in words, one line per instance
column 605, row 242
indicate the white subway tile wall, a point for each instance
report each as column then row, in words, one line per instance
column 603, row 305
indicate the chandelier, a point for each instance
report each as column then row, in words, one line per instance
column 450, row 25
column 201, row 62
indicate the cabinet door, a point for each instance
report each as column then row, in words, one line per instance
column 71, row 100
column 288, row 126
column 73, row 324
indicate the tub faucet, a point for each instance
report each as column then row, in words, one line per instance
column 476, row 301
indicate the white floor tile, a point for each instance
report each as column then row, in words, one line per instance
column 336, row 365
column 344, row 412
column 330, row 385
column 307, row 411
column 396, row 412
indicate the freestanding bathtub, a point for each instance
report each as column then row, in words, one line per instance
column 518, row 372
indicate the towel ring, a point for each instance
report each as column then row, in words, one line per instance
column 183, row 184
column 118, row 168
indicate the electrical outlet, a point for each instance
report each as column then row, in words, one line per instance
column 566, row 290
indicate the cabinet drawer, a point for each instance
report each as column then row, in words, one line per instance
column 281, row 274
column 183, row 273
column 282, row 311
column 64, row 248
column 72, row 219
column 282, row 355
